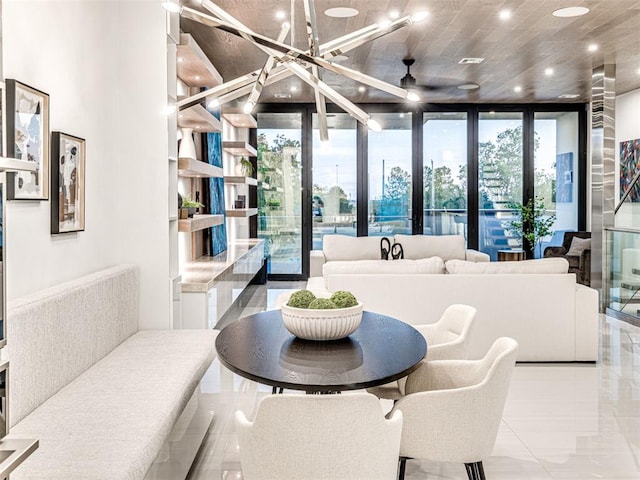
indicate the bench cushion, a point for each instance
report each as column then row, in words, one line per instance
column 111, row 421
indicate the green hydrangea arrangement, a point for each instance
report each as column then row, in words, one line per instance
column 301, row 299
column 344, row 299
column 306, row 299
column 322, row 304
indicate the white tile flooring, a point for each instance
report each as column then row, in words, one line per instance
column 561, row 421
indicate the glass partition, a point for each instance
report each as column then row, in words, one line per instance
column 445, row 173
column 279, row 192
column 390, row 175
column 499, row 180
column 334, row 178
column 623, row 258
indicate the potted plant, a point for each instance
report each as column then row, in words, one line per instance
column 246, row 167
column 532, row 224
column 190, row 205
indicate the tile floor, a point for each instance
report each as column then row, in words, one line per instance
column 561, row 421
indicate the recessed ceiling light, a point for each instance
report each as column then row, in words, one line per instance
column 294, row 89
column 181, row 59
column 548, row 72
column 468, row 60
column 339, row 58
column 468, row 86
column 504, row 14
column 568, row 95
column 197, row 77
column 639, row 71
column 362, row 89
column 341, row 12
column 393, row 14
column 570, row 12
column 281, row 15
column 593, row 47
column 517, row 89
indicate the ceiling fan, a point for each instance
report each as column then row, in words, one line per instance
column 409, row 82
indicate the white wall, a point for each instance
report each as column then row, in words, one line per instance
column 627, row 128
column 103, row 63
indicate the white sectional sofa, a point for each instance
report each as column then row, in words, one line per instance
column 105, row 401
column 535, row 302
column 338, row 248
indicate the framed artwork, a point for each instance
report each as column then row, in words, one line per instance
column 564, row 177
column 629, row 164
column 27, row 138
column 67, row 183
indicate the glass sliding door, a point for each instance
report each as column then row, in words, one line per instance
column 556, row 171
column 334, row 178
column 279, row 190
column 500, row 147
column 389, row 165
column 445, row 173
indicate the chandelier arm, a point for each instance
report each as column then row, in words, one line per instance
column 291, row 52
column 264, row 73
column 340, row 45
column 314, row 41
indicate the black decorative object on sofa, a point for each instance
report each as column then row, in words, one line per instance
column 579, row 264
column 397, row 252
column 385, row 248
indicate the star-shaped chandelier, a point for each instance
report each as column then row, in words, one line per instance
column 286, row 60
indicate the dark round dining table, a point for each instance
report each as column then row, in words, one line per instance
column 260, row 348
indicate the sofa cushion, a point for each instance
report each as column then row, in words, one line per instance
column 446, row 247
column 579, row 245
column 344, row 247
column 425, row 265
column 540, row 266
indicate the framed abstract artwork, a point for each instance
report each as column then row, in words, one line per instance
column 629, row 164
column 67, row 183
column 564, row 177
column 27, row 139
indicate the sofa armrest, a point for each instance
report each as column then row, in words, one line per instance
column 316, row 263
column 554, row 252
column 586, row 326
column 476, row 256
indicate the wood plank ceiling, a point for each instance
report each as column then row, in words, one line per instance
column 516, row 51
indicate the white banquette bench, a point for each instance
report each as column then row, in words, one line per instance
column 536, row 302
column 105, row 400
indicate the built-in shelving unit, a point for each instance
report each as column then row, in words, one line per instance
column 239, row 119
column 242, row 212
column 199, row 119
column 239, row 148
column 199, row 222
column 240, row 180
column 189, row 167
column 193, row 66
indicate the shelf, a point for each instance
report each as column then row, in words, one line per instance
column 242, row 212
column 239, row 119
column 199, row 222
column 239, row 149
column 241, row 180
column 193, row 66
column 198, row 118
column 189, row 167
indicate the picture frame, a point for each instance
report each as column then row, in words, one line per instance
column 27, row 138
column 68, row 160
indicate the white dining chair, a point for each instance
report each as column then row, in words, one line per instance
column 447, row 339
column 452, row 408
column 319, row 437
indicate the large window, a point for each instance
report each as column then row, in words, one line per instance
column 445, row 173
column 280, row 192
column 500, row 160
column 390, row 175
column 556, row 172
column 334, row 178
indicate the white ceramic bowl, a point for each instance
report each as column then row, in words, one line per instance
column 315, row 324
